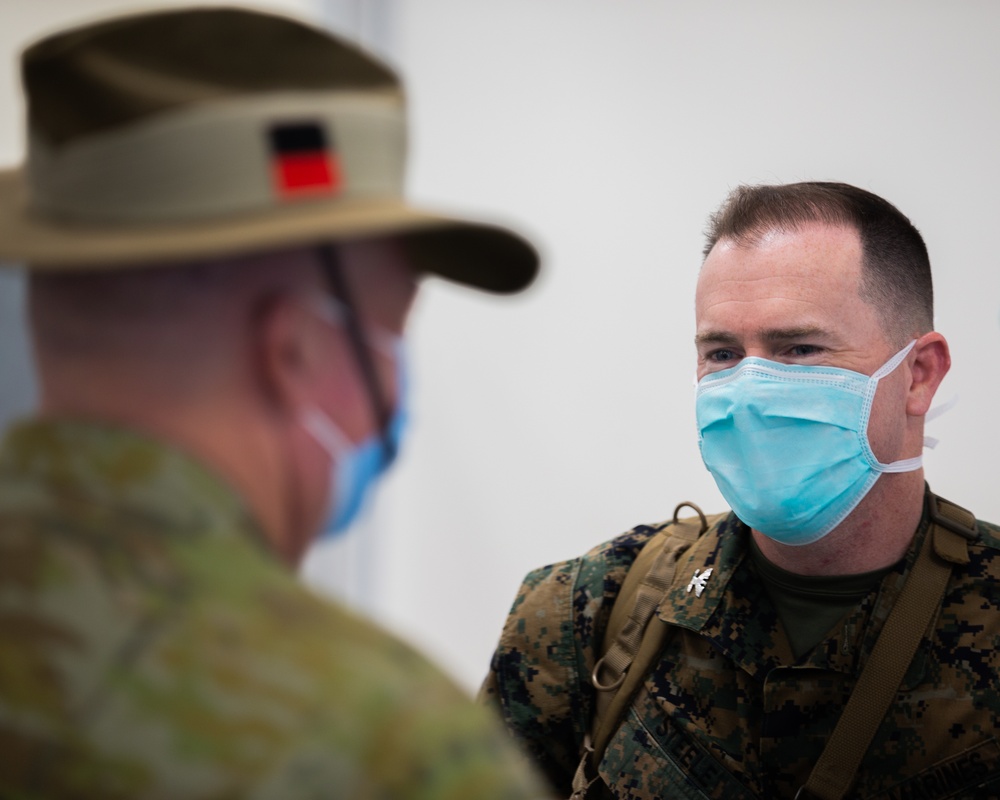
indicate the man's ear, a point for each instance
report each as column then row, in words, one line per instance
column 931, row 363
column 285, row 357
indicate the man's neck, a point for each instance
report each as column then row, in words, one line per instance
column 227, row 440
column 875, row 535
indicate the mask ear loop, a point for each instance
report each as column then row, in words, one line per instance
column 931, row 442
column 906, row 464
column 330, row 259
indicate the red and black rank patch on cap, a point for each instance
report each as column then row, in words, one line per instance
column 304, row 162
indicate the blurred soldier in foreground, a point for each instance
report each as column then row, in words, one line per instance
column 220, row 268
column 838, row 633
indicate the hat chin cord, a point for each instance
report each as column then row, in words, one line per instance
column 333, row 269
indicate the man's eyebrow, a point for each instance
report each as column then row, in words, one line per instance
column 715, row 338
column 781, row 335
column 771, row 336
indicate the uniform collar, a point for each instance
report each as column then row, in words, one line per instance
column 735, row 613
column 703, row 575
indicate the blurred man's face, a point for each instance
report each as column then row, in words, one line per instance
column 356, row 378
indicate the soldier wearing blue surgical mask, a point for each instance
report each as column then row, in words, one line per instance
column 836, row 633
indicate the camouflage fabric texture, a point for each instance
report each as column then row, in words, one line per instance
column 726, row 711
column 152, row 647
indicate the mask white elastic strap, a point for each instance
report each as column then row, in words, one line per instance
column 904, row 465
column 870, row 389
column 943, row 408
column 893, row 362
column 323, row 429
column 930, row 441
column 334, row 312
column 910, row 464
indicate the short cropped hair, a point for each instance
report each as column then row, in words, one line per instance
column 895, row 272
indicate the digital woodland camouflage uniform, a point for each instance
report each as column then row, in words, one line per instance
column 727, row 712
column 153, row 647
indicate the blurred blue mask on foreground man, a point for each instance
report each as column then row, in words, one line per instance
column 220, row 266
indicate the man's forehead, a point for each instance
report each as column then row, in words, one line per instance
column 829, row 256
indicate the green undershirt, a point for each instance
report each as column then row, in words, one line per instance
column 810, row 605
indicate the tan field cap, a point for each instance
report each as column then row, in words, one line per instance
column 194, row 133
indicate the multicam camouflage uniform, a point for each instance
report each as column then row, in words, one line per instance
column 152, row 647
column 727, row 712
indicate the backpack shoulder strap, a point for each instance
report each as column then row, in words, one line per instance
column 945, row 544
column 631, row 642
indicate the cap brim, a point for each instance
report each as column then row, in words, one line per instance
column 484, row 256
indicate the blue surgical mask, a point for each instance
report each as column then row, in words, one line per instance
column 355, row 468
column 788, row 444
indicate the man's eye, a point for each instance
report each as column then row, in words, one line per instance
column 802, row 350
column 722, row 356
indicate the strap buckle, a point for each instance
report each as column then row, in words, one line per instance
column 966, row 528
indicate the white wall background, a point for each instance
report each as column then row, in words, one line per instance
column 608, row 131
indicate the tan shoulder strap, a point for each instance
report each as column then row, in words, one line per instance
column 634, row 635
column 945, row 544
